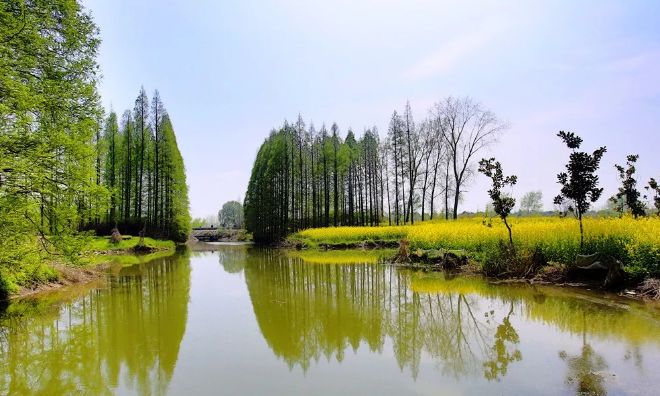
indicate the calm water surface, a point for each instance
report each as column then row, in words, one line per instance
column 245, row 320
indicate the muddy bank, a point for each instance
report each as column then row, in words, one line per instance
column 67, row 276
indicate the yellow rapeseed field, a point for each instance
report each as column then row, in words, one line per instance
column 635, row 242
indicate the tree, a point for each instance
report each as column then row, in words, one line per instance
column 176, row 214
column 414, row 159
column 335, row 157
column 531, row 202
column 580, row 182
column 111, row 174
column 231, row 215
column 49, row 117
column 140, row 114
column 350, row 177
column 63, row 168
column 393, row 136
column 628, row 196
column 157, row 112
column 127, row 163
column 467, row 129
column 502, row 204
column 325, row 150
column 428, row 147
column 655, row 188
column 164, row 201
column 197, row 222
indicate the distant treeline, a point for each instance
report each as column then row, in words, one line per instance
column 307, row 178
column 139, row 163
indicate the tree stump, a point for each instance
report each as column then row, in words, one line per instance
column 403, row 255
column 115, row 236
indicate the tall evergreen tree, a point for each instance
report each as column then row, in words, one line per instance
column 111, row 174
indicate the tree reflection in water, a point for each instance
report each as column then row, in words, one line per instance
column 312, row 310
column 98, row 340
column 505, row 337
column 585, row 371
column 308, row 311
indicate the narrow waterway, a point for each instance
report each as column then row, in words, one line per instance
column 247, row 320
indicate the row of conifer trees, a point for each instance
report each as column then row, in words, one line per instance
column 139, row 164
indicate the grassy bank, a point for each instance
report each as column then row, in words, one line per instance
column 127, row 245
column 38, row 268
column 636, row 243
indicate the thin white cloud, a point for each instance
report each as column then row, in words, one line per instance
column 454, row 51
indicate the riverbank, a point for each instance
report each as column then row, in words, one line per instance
column 545, row 249
column 97, row 256
column 219, row 235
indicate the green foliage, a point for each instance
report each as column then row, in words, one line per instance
column 502, row 204
column 49, row 113
column 301, row 178
column 580, row 182
column 61, row 170
column 655, row 188
column 144, row 173
column 231, row 215
column 197, row 222
column 104, row 244
column 628, row 196
column 531, row 202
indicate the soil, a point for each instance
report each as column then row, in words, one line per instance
column 68, row 275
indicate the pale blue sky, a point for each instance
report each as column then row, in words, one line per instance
column 229, row 71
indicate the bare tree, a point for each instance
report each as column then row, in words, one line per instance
column 428, row 148
column 414, row 159
column 467, row 128
column 394, row 134
column 439, row 154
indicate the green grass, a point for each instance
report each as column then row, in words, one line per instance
column 103, row 244
column 27, row 267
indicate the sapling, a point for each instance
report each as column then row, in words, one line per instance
column 580, row 182
column 502, row 203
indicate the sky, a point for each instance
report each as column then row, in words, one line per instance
column 230, row 71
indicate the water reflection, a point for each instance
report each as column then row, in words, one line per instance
column 307, row 311
column 586, row 369
column 504, row 349
column 125, row 335
column 310, row 311
column 262, row 321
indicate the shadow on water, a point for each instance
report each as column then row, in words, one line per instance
column 99, row 340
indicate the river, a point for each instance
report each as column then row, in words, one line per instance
column 239, row 319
